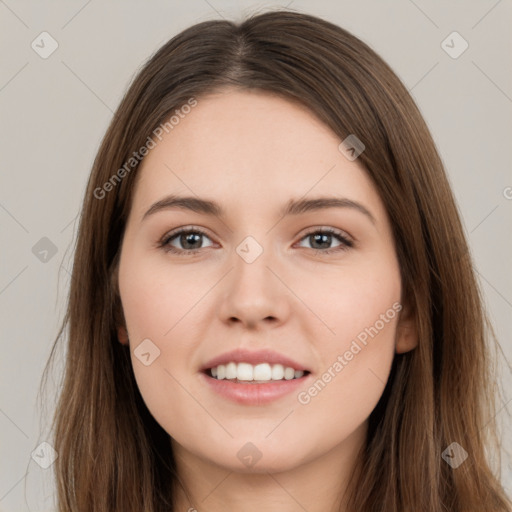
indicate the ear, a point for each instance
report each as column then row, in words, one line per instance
column 122, row 335
column 406, row 331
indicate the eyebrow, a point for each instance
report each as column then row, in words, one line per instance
column 293, row 207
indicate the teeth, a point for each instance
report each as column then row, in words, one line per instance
column 277, row 372
column 289, row 373
column 244, row 371
column 231, row 371
column 221, row 371
column 263, row 372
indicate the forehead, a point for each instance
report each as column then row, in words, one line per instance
column 250, row 148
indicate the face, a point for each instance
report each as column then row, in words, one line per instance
column 317, row 289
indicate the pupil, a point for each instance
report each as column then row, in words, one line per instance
column 321, row 237
column 189, row 239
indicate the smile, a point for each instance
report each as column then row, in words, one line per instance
column 259, row 373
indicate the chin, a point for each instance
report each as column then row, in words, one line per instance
column 259, row 455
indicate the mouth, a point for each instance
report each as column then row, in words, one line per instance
column 254, row 385
column 246, row 373
column 254, row 378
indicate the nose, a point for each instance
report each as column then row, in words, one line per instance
column 254, row 293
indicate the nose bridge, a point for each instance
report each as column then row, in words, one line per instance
column 252, row 259
column 254, row 292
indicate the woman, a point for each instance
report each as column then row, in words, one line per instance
column 260, row 372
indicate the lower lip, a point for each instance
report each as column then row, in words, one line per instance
column 254, row 394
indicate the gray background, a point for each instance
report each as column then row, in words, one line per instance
column 54, row 112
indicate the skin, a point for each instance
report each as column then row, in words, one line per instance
column 252, row 152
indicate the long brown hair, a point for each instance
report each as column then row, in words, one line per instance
column 113, row 456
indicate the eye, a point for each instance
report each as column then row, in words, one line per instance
column 321, row 238
column 188, row 238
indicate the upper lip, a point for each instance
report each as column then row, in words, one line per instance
column 253, row 357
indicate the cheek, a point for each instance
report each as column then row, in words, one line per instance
column 356, row 368
column 155, row 297
column 162, row 305
column 345, row 301
column 344, row 393
column 362, row 310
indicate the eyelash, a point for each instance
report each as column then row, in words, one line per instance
column 164, row 242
